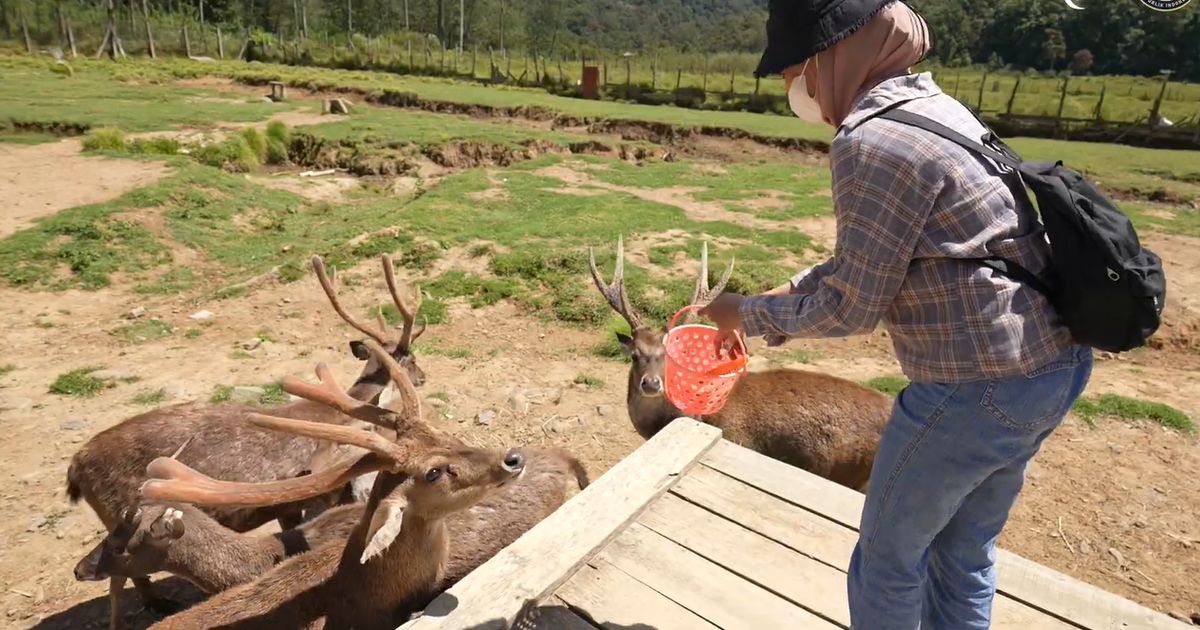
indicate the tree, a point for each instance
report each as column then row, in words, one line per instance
column 1055, row 47
column 1081, row 61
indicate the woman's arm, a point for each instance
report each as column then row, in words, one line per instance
column 881, row 202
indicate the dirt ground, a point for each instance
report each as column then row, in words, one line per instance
column 1114, row 504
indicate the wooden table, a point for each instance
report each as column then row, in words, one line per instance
column 692, row 532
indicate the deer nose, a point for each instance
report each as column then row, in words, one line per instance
column 652, row 385
column 514, row 461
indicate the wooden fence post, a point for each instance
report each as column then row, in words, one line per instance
column 704, row 76
column 982, row 82
column 1062, row 100
column 1100, row 103
column 1012, row 97
column 654, row 73
column 732, row 75
column 187, row 42
column 71, row 37
column 678, row 78
column 220, row 43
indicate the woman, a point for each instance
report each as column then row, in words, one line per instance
column 993, row 373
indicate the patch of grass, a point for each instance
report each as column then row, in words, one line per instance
column 481, row 250
column 420, row 255
column 257, row 144
column 591, row 382
column 1133, row 409
column 78, row 383
column 6, row 368
column 151, row 397
column 221, row 393
column 890, row 385
column 609, row 347
column 154, row 146
column 235, row 155
column 193, row 333
column 240, row 355
column 478, row 291
column 176, row 280
column 104, row 139
column 434, row 346
column 786, row 357
column 440, row 395
column 273, row 394
column 144, row 331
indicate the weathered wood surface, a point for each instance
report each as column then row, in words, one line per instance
column 533, row 566
column 1037, row 587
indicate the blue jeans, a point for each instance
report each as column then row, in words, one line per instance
column 949, row 467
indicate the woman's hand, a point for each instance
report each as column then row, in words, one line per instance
column 783, row 289
column 724, row 312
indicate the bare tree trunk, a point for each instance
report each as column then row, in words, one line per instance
column 406, row 29
column 149, row 33
column 296, row 18
column 187, row 42
column 25, row 32
column 132, row 24
column 112, row 40
column 71, row 37
column 461, row 22
column 441, row 22
column 220, row 44
column 503, row 4
column 62, row 23
column 201, row 16
column 350, row 22
column 304, row 18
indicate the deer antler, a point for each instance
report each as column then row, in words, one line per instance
column 615, row 293
column 330, row 394
column 364, row 439
column 703, row 294
column 409, row 314
column 380, row 334
column 177, row 482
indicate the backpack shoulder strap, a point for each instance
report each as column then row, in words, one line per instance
column 937, row 128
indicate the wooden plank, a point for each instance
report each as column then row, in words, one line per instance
column 611, row 599
column 712, row 592
column 800, row 579
column 1040, row 587
column 549, row 553
column 825, row 541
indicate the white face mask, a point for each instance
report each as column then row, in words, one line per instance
column 804, row 105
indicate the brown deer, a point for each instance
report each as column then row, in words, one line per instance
column 396, row 555
column 108, row 469
column 184, row 540
column 823, row 424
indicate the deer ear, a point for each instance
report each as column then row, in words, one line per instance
column 359, row 350
column 626, row 343
column 384, row 527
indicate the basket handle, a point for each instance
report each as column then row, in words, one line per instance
column 680, row 312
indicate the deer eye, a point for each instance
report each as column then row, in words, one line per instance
column 433, row 474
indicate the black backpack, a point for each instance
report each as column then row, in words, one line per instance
column 1107, row 288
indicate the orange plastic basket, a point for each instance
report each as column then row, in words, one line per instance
column 698, row 380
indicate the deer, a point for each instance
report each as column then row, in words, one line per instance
column 397, row 553
column 823, row 424
column 145, row 542
column 108, row 469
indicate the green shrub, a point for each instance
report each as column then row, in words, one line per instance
column 155, row 146
column 278, row 132
column 79, row 383
column 104, row 139
column 234, row 155
column 256, row 142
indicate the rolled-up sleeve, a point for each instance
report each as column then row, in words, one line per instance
column 883, row 191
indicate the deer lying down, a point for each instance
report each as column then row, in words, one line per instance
column 215, row 558
column 395, row 556
column 183, row 540
column 823, row 424
column 108, row 469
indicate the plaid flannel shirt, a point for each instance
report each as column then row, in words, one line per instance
column 911, row 207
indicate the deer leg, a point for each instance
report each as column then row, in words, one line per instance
column 151, row 600
column 116, row 620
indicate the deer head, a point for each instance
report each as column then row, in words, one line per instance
column 643, row 345
column 649, row 409
column 136, row 546
column 398, row 341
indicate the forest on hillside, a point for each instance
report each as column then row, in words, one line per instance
column 1113, row 37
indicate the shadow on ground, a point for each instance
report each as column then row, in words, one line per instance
column 93, row 613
